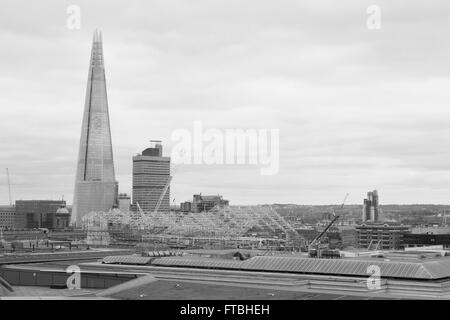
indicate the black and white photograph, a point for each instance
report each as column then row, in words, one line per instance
column 224, row 155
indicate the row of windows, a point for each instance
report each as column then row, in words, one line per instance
column 143, row 183
column 156, row 171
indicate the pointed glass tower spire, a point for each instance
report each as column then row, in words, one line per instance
column 95, row 185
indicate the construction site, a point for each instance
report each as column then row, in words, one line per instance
column 230, row 227
column 258, row 227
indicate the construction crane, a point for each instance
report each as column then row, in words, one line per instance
column 314, row 246
column 167, row 185
column 317, row 239
column 139, row 208
column 343, row 202
column 163, row 193
column 9, row 186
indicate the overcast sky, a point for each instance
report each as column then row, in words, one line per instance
column 357, row 109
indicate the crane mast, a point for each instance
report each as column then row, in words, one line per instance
column 9, row 186
column 316, row 242
column 163, row 193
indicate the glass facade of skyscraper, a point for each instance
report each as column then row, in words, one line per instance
column 95, row 186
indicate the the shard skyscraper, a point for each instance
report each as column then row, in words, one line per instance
column 95, row 185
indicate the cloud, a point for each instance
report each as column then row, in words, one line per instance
column 356, row 109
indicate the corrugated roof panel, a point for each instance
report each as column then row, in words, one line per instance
column 252, row 263
column 126, row 260
column 332, row 266
column 320, row 265
column 350, row 267
column 407, row 269
column 403, row 269
column 410, row 269
column 361, row 268
column 293, row 265
column 423, row 273
column 339, row 268
column 438, row 268
column 264, row 264
column 317, row 265
column 398, row 269
column 385, row 269
column 306, row 264
column 284, row 264
column 312, row 266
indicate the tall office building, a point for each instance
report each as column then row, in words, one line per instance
column 95, row 185
column 151, row 179
column 370, row 207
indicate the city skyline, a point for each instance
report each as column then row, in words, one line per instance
column 224, row 156
column 357, row 110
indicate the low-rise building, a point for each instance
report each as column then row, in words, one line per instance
column 202, row 203
column 124, row 202
column 342, row 237
column 186, row 206
column 62, row 218
column 308, row 233
column 7, row 217
column 427, row 236
column 381, row 236
column 32, row 214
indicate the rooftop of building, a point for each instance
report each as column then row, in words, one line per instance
column 431, row 230
column 141, row 157
column 382, row 225
column 62, row 211
column 7, row 207
column 162, row 289
column 399, row 266
column 51, row 202
column 199, row 290
column 209, row 197
column 5, row 288
column 281, row 276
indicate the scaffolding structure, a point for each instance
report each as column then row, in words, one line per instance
column 231, row 222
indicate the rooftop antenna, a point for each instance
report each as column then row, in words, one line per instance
column 155, row 142
column 9, row 186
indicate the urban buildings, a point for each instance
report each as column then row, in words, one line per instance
column 342, row 237
column 124, row 202
column 374, row 234
column 95, row 185
column 381, row 236
column 186, row 206
column 62, row 218
column 202, row 203
column 7, row 217
column 151, row 179
column 370, row 207
column 427, row 236
column 31, row 214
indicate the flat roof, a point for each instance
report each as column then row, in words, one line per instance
column 199, row 290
